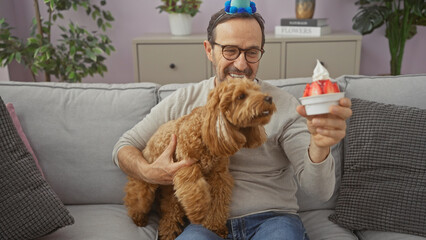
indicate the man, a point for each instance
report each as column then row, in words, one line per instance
column 263, row 204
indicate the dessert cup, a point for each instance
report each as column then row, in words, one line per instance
column 320, row 104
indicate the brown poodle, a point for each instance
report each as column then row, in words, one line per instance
column 233, row 118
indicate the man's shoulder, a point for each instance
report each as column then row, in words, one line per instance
column 171, row 92
column 185, row 97
column 274, row 90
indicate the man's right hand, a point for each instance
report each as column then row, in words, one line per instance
column 160, row 171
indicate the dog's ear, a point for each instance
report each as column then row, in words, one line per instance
column 255, row 136
column 218, row 134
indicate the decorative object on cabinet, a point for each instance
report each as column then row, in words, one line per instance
column 181, row 13
column 163, row 58
column 302, row 31
column 401, row 18
column 313, row 22
column 305, row 9
column 76, row 54
column 180, row 24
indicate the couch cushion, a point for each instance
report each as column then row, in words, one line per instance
column 376, row 235
column 168, row 89
column 294, row 86
column 28, row 206
column 73, row 129
column 385, row 169
column 106, row 222
column 407, row 90
column 320, row 228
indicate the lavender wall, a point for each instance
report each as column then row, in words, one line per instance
column 135, row 18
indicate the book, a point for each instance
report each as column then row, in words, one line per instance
column 302, row 31
column 315, row 22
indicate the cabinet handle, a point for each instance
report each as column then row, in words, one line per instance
column 172, row 65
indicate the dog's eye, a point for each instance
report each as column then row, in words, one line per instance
column 242, row 96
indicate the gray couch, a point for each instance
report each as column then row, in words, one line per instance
column 73, row 128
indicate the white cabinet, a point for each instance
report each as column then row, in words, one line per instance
column 178, row 59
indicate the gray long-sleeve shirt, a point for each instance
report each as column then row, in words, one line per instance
column 265, row 177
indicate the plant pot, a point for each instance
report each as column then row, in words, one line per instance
column 180, row 24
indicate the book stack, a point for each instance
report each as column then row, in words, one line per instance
column 303, row 27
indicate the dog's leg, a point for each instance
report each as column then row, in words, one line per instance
column 193, row 192
column 138, row 200
column 221, row 184
column 172, row 215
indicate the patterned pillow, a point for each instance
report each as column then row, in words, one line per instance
column 384, row 173
column 11, row 109
column 29, row 208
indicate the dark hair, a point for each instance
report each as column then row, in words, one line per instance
column 221, row 16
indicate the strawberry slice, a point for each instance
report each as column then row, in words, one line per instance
column 306, row 92
column 322, row 82
column 320, row 87
column 330, row 87
column 336, row 87
column 315, row 89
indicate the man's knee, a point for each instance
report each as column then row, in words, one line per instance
column 197, row 232
column 282, row 227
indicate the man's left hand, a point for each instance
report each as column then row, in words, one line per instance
column 327, row 129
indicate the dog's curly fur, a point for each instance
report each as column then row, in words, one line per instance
column 233, row 118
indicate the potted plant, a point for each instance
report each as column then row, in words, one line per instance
column 400, row 18
column 77, row 53
column 181, row 13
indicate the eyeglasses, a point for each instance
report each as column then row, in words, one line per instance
column 252, row 55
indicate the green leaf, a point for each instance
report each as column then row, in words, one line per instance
column 18, row 57
column 72, row 51
column 34, row 69
column 91, row 55
column 100, row 22
column 71, row 75
column 368, row 19
column 10, row 59
column 107, row 15
column 98, row 50
column 32, row 40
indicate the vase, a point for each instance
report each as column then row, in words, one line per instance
column 305, row 9
column 180, row 24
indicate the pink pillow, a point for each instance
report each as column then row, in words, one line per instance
column 21, row 133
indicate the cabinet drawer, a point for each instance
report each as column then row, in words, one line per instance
column 172, row 63
column 337, row 56
column 270, row 64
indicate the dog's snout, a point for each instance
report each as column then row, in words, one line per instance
column 268, row 99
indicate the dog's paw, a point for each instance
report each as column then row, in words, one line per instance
column 222, row 233
column 140, row 220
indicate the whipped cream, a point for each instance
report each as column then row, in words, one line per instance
column 320, row 72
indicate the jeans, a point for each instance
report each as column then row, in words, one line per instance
column 268, row 225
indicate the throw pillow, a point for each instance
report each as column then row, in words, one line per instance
column 12, row 113
column 29, row 208
column 383, row 185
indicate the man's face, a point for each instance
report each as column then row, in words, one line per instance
column 243, row 33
